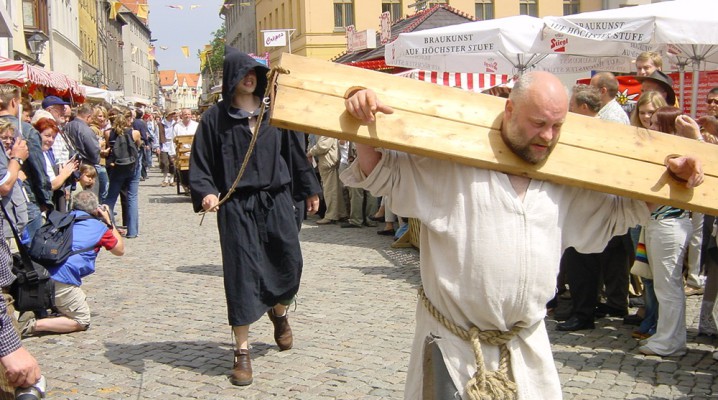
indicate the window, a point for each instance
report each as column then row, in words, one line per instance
column 570, row 7
column 435, row 2
column 528, row 7
column 343, row 13
column 34, row 14
column 484, row 10
column 393, row 7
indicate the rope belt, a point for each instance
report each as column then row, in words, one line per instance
column 484, row 385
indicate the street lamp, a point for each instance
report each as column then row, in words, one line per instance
column 36, row 43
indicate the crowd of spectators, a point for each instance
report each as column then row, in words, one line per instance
column 59, row 157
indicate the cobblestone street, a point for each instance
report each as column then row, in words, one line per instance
column 159, row 328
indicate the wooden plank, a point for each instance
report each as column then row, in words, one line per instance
column 484, row 111
column 479, row 144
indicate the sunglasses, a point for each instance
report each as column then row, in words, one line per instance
column 712, row 101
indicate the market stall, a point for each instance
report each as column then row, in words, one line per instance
column 40, row 82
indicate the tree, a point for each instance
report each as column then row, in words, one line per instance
column 215, row 55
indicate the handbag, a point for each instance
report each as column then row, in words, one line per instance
column 33, row 288
column 640, row 265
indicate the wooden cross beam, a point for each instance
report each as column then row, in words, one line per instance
column 452, row 124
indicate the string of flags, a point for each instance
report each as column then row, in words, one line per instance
column 181, row 7
column 143, row 12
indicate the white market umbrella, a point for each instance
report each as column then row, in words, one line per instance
column 511, row 45
column 685, row 26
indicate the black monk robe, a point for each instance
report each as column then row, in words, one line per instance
column 259, row 237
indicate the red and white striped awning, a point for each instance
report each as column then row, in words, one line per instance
column 19, row 73
column 474, row 82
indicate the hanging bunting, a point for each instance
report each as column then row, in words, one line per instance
column 185, row 51
column 151, row 53
column 193, row 6
column 134, row 50
column 114, row 9
column 143, row 11
column 176, row 6
column 164, row 47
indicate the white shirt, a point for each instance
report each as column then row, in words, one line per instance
column 490, row 259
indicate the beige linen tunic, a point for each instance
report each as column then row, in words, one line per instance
column 489, row 259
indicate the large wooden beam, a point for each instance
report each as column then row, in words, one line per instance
column 452, row 124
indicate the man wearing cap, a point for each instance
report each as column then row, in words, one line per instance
column 661, row 83
column 61, row 148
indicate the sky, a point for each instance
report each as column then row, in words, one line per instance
column 174, row 28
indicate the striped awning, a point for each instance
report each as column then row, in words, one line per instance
column 19, row 73
column 474, row 82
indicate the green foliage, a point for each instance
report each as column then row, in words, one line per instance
column 216, row 55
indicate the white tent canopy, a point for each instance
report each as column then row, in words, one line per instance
column 510, row 45
column 98, row 94
column 685, row 29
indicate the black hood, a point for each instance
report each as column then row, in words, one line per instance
column 235, row 67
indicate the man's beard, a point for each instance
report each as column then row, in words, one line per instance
column 523, row 150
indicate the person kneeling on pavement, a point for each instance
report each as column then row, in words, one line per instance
column 70, row 300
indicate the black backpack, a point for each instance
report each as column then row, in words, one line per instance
column 124, row 150
column 51, row 245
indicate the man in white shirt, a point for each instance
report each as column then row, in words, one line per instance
column 490, row 247
column 185, row 127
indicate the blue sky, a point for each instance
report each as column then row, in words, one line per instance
column 175, row 28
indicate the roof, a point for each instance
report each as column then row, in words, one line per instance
column 190, row 80
column 167, row 77
column 434, row 17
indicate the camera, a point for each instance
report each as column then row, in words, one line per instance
column 34, row 392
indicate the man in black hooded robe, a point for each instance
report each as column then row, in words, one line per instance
column 258, row 230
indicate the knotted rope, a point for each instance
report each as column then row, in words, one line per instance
column 272, row 75
column 484, row 385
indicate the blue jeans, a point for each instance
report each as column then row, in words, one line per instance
column 103, row 182
column 648, row 325
column 119, row 177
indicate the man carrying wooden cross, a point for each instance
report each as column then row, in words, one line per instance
column 490, row 247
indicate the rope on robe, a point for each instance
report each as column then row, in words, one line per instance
column 484, row 385
column 266, row 101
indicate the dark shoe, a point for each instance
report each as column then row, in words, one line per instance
column 603, row 310
column 386, row 232
column 574, row 324
column 636, row 302
column 370, row 224
column 242, row 370
column 282, row 331
column 350, row 225
column 632, row 319
column 377, row 219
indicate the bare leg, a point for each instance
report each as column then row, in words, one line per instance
column 241, row 336
column 58, row 325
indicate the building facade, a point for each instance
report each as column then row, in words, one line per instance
column 64, row 46
column 240, row 20
column 89, row 46
column 137, row 67
column 320, row 25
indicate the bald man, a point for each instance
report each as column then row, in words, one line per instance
column 490, row 247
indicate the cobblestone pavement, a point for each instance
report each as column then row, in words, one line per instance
column 159, row 327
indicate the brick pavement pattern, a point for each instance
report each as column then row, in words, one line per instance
column 159, row 326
